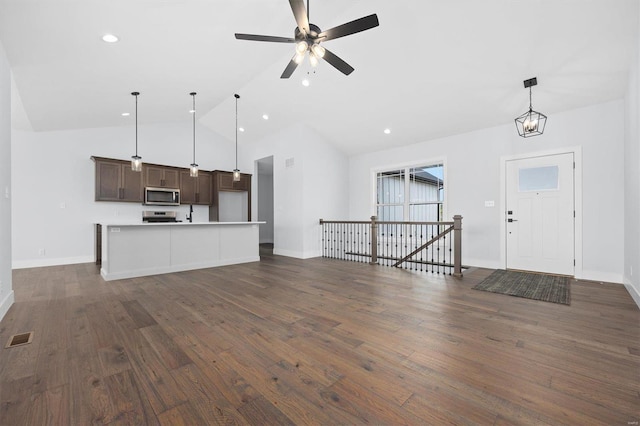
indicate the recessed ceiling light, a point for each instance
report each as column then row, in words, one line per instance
column 387, row 131
column 125, row 114
column 305, row 82
column 265, row 116
column 241, row 129
column 109, row 38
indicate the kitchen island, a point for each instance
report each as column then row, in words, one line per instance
column 138, row 249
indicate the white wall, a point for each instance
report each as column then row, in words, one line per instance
column 53, row 205
column 472, row 167
column 309, row 183
column 6, row 288
column 632, row 180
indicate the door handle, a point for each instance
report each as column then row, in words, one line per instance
column 512, row 220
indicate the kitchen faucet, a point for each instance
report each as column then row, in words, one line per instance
column 190, row 215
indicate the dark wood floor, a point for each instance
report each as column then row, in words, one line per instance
column 320, row 341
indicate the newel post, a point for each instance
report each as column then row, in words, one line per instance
column 457, row 246
column 374, row 239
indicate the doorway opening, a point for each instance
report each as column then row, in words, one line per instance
column 264, row 168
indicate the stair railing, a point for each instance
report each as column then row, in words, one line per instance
column 411, row 245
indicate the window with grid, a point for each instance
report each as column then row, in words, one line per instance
column 411, row 194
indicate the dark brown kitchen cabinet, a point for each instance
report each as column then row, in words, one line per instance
column 115, row 181
column 161, row 176
column 223, row 182
column 195, row 190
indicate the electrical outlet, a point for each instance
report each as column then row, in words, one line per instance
column 115, row 229
column 6, row 192
column 63, row 205
column 41, row 252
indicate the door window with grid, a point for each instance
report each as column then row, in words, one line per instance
column 411, row 194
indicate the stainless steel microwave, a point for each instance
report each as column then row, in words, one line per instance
column 162, row 196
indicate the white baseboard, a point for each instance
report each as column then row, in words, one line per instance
column 297, row 254
column 481, row 263
column 6, row 304
column 607, row 277
column 635, row 294
column 36, row 263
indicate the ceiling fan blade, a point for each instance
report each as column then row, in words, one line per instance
column 337, row 63
column 254, row 37
column 290, row 68
column 349, row 28
column 300, row 13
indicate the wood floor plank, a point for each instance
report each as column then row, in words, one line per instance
column 140, row 316
column 183, row 414
column 128, row 404
column 315, row 341
column 260, row 411
column 205, row 397
column 172, row 355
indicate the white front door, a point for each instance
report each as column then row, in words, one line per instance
column 540, row 214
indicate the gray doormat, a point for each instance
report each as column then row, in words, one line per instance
column 548, row 288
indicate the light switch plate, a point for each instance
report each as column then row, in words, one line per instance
column 489, row 203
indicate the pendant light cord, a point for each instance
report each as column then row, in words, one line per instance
column 237, row 97
column 193, row 95
column 136, row 95
column 530, row 101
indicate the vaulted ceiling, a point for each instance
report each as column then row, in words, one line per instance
column 432, row 68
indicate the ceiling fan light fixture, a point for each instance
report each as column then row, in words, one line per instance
column 302, row 46
column 307, row 37
column 313, row 59
column 318, row 50
column 530, row 123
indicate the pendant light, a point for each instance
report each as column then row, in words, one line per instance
column 236, row 171
column 193, row 169
column 136, row 160
column 531, row 123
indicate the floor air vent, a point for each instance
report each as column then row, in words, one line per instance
column 19, row 339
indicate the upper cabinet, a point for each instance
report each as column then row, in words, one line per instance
column 231, row 200
column 115, row 181
column 195, row 190
column 224, row 181
column 161, row 176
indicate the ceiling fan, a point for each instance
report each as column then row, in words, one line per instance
column 308, row 37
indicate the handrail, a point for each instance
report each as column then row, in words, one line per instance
column 424, row 246
column 357, row 240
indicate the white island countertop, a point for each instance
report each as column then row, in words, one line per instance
column 134, row 249
column 111, row 223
